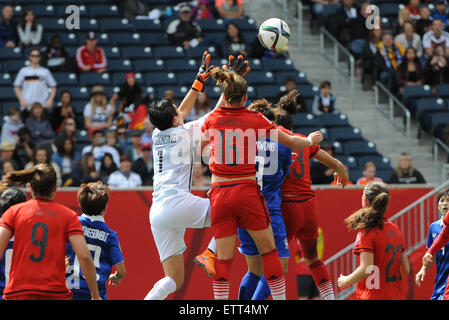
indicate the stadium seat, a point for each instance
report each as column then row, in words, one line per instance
column 305, row 131
column 67, row 38
column 136, row 52
column 442, row 91
column 279, row 65
column 7, row 93
column 111, row 52
column 42, row 10
column 65, row 78
column 179, row 65
column 338, row 148
column 389, row 9
column 415, row 92
column 268, row 92
column 82, row 137
column 424, row 109
column 5, row 79
column 213, row 91
column 53, row 25
column 384, row 174
column 144, row 65
column 170, row 52
column 179, row 92
column 103, row 11
column 380, row 161
column 120, row 65
column 245, row 25
column 300, row 77
column 253, row 93
column 186, row 78
column 78, row 106
column 115, row 24
column 13, row 66
column 355, row 174
column 211, row 25
column 92, row 79
column 256, row 65
column 301, row 120
column 329, row 120
column 358, row 148
column 439, row 121
column 260, row 78
column 118, row 78
column 308, row 91
column 160, row 78
column 61, row 9
column 197, row 52
column 147, row 25
column 78, row 93
column 155, row 39
column 102, row 38
column 10, row 53
column 345, row 134
column 126, row 39
column 88, row 25
column 350, row 162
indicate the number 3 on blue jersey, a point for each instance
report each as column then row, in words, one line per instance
column 73, row 281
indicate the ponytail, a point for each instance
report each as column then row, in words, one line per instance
column 290, row 102
column 232, row 85
column 41, row 177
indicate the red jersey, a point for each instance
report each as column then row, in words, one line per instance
column 95, row 59
column 233, row 135
column 298, row 180
column 387, row 246
column 41, row 229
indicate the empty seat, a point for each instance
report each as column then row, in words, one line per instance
column 213, row 92
column 416, row 92
column 13, row 66
column 65, row 78
column 136, row 52
column 380, row 161
column 384, row 174
column 349, row 161
column 329, row 120
column 102, row 38
column 179, row 65
column 126, row 39
column 439, row 119
column 305, row 131
column 118, row 78
column 389, row 9
column 197, row 52
column 279, row 64
column 301, row 120
column 357, row 148
column 61, row 10
column 345, row 134
column 307, row 90
column 260, row 78
column 42, row 10
column 53, row 25
column 245, row 24
column 179, row 92
column 268, row 92
column 78, row 93
column 165, row 52
column 5, row 79
column 120, row 65
column 97, row 11
column 111, row 52
column 160, row 78
column 115, row 24
column 424, row 109
column 300, row 77
column 92, row 79
column 149, row 65
column 88, row 24
column 442, row 91
column 78, row 106
column 146, row 25
column 155, row 39
column 7, row 93
column 10, row 53
column 256, row 65
column 211, row 25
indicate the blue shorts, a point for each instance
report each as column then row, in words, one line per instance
column 248, row 247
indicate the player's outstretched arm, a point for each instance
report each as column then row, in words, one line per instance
column 5, row 235
column 197, row 86
column 436, row 246
column 116, row 277
column 296, row 142
column 79, row 245
column 359, row 274
column 340, row 175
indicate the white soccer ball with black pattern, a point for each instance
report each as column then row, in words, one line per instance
column 274, row 34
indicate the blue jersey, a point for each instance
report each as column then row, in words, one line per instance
column 5, row 266
column 441, row 259
column 104, row 246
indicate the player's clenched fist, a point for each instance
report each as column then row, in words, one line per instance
column 315, row 137
column 427, row 260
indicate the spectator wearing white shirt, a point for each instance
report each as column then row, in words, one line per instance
column 98, row 113
column 436, row 37
column 409, row 38
column 124, row 178
column 99, row 148
column 11, row 126
column 30, row 32
column 32, row 83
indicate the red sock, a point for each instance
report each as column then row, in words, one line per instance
column 221, row 279
column 321, row 277
column 274, row 274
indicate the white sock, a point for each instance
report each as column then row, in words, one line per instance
column 326, row 290
column 161, row 289
column 212, row 245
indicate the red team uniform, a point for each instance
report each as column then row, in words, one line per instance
column 387, row 246
column 41, row 229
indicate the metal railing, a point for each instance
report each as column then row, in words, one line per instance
column 413, row 221
column 334, row 60
column 440, row 173
column 390, row 113
column 289, row 17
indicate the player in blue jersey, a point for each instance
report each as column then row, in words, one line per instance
column 8, row 198
column 101, row 241
column 272, row 162
column 442, row 256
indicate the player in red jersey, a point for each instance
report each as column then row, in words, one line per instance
column 299, row 207
column 379, row 248
column 236, row 201
column 41, row 228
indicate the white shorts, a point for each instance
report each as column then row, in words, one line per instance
column 170, row 217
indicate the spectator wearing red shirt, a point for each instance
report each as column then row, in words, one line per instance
column 413, row 7
column 90, row 57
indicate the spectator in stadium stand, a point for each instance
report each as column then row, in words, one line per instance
column 66, row 158
column 289, row 85
column 229, row 9
column 319, row 173
column 143, row 166
column 388, row 58
column 325, row 102
column 62, row 111
column 56, row 58
column 234, row 42
column 413, row 8
column 32, row 83
column 108, row 166
column 409, row 38
column 369, row 173
column 410, row 72
column 122, row 137
column 200, row 108
column 436, row 70
column 436, row 37
column 85, row 170
column 133, row 8
column 170, row 95
column 68, row 131
column 351, row 24
column 441, row 12
column 11, row 124
column 403, row 16
column 30, row 32
column 40, row 155
column 124, row 178
column 129, row 92
column 202, row 11
column 7, row 167
column 183, row 31
column 369, row 55
column 99, row 148
column 322, row 9
column 134, row 150
column 90, row 57
column 112, row 140
column 98, row 114
column 424, row 24
column 40, row 127
column 23, row 151
column 8, row 28
column 405, row 173
column 6, row 153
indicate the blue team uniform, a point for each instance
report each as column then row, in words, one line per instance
column 8, row 252
column 271, row 189
column 441, row 259
column 104, row 246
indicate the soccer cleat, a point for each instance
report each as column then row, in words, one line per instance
column 206, row 261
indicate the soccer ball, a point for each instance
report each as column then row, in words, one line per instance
column 274, row 34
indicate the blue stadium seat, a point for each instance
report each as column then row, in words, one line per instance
column 425, row 107
column 92, row 79
column 416, row 92
column 155, row 39
column 301, row 120
column 136, row 52
column 82, row 137
column 439, row 121
column 118, row 78
column 102, row 38
column 380, row 161
column 61, row 9
column 180, row 65
column 384, row 174
column 149, row 65
column 329, row 120
column 197, row 52
column 67, row 38
column 345, row 134
column 442, row 91
column 5, row 79
column 65, row 78
column 165, row 52
column 13, row 66
column 10, row 53
column 160, row 78
column 87, row 24
column 306, row 130
column 213, row 38
column 338, row 148
column 260, row 78
column 71, row 50
column 41, row 10
column 53, row 25
column 79, row 92
column 245, row 24
column 389, row 9
column 355, row 174
column 78, row 106
column 98, row 11
column 358, row 148
column 268, row 92
column 7, row 93
column 126, row 39
column 279, row 65
column 213, row 91
column 111, row 52
column 253, row 93
column 146, row 25
column 300, row 77
column 211, row 25
column 308, row 91
column 256, row 65
column 350, row 162
column 120, row 65
column 115, row 24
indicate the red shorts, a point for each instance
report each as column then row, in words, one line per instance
column 33, row 296
column 237, row 204
column 300, row 218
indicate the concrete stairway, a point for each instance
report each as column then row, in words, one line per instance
column 363, row 115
